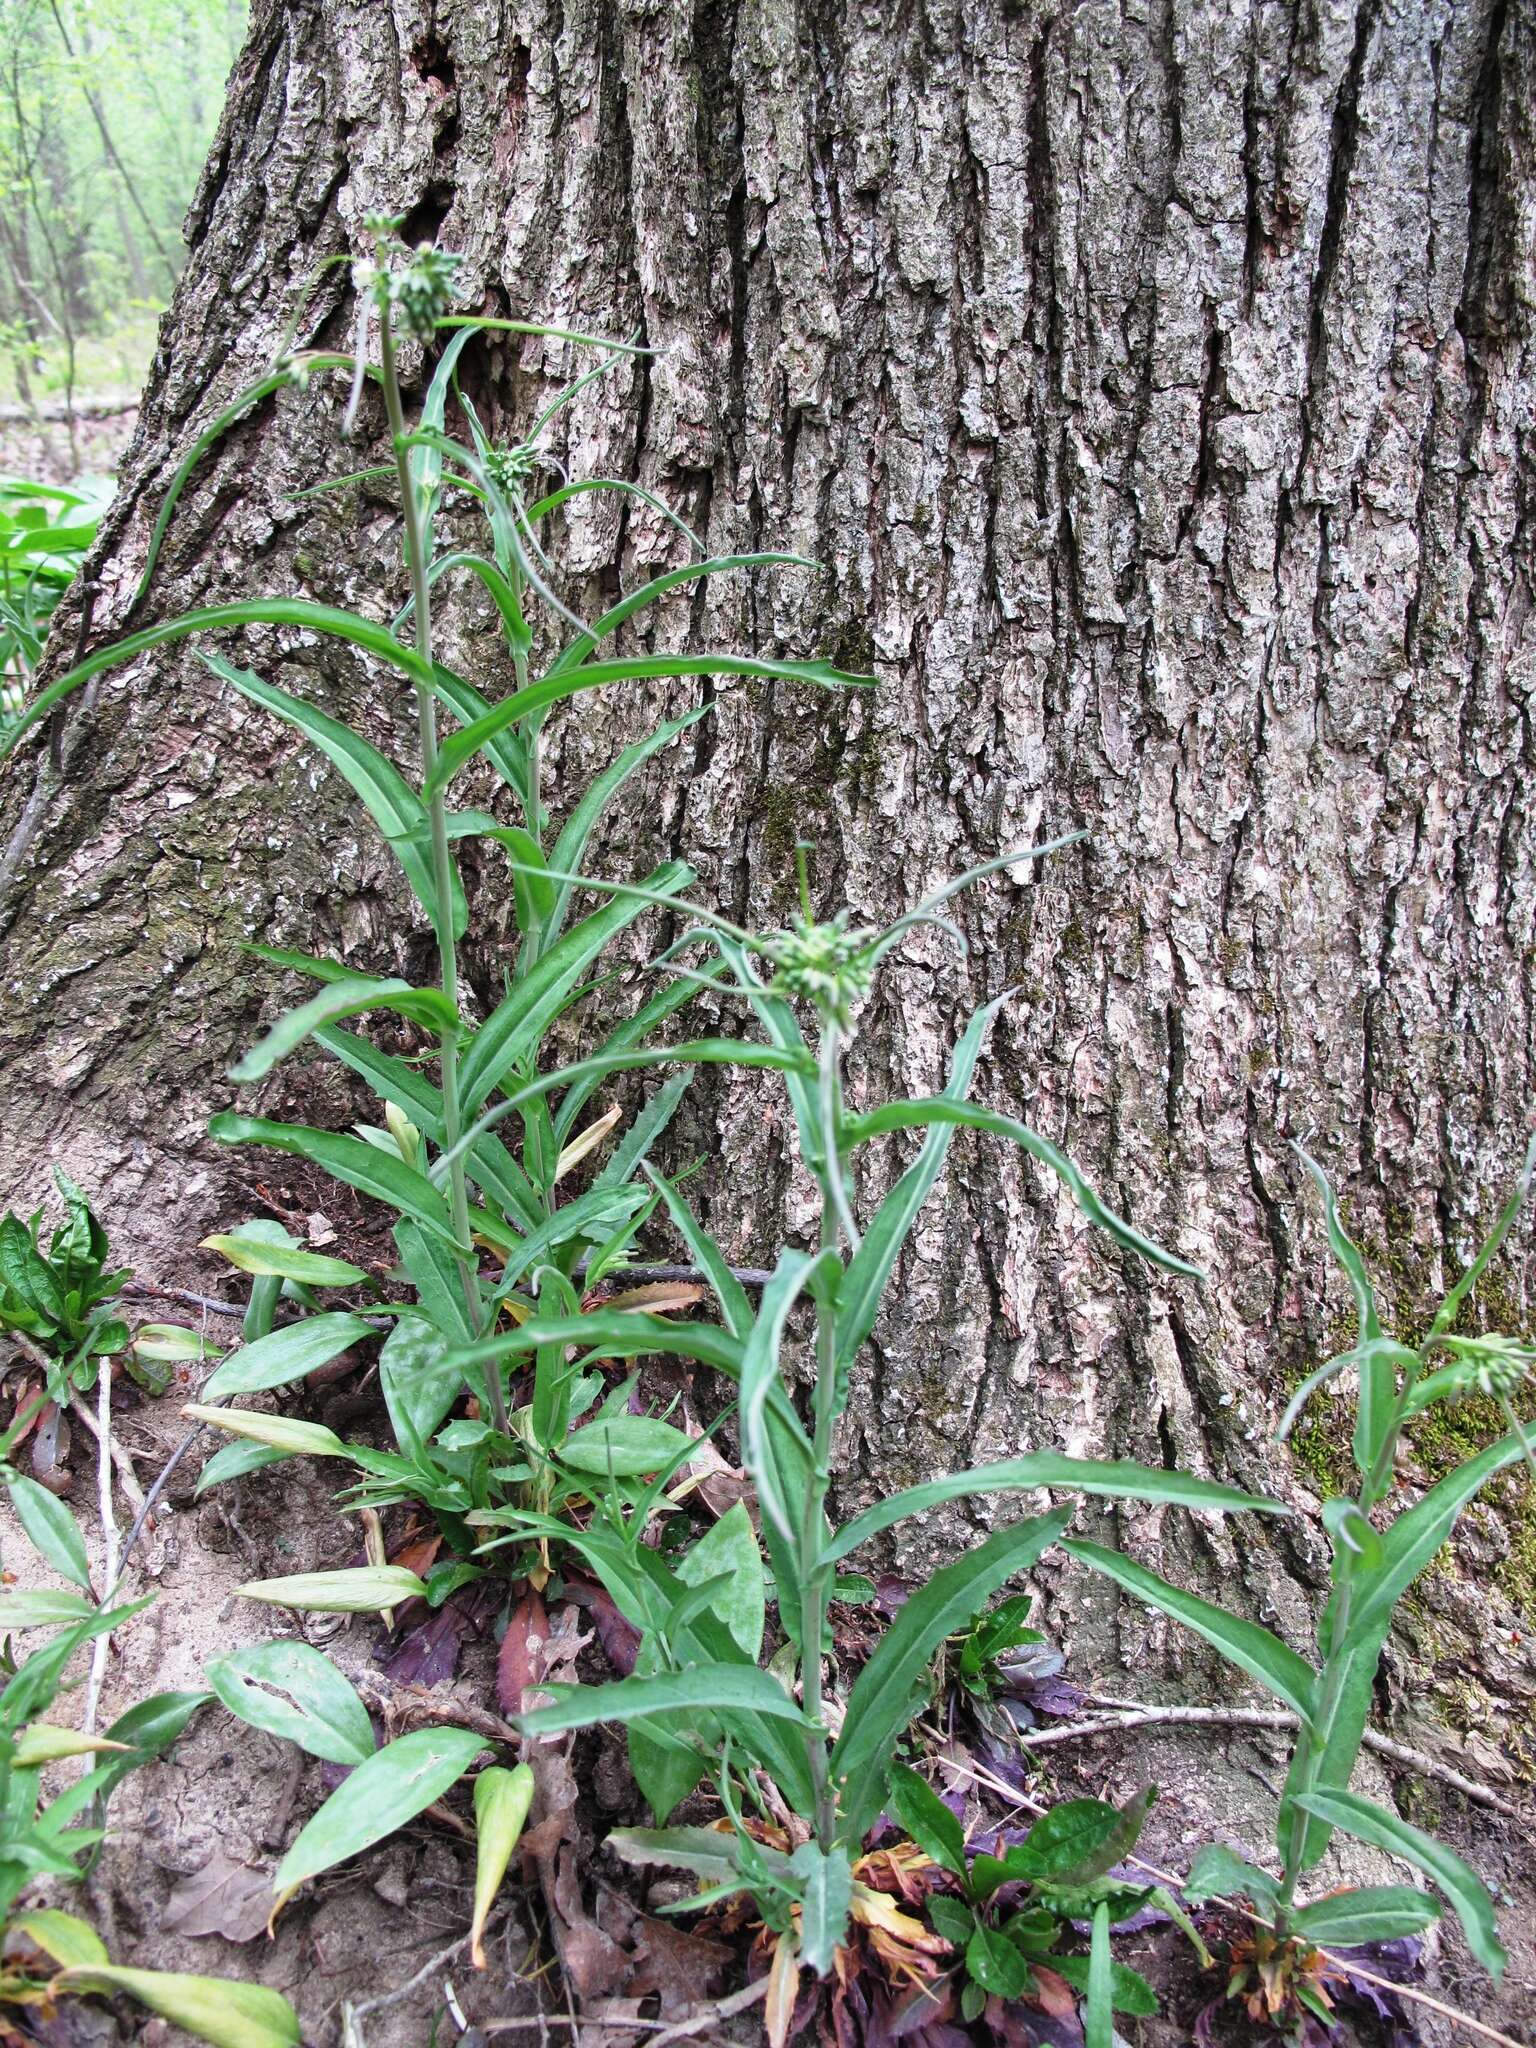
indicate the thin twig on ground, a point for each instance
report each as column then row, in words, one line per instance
column 1139, row 1714
column 122, row 1464
column 109, row 1570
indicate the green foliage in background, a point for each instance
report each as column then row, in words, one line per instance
column 107, row 109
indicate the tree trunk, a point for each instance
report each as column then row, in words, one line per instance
column 1154, row 388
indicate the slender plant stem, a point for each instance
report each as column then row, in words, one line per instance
column 442, row 865
column 816, row 1576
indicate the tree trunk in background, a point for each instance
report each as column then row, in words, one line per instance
column 1155, row 389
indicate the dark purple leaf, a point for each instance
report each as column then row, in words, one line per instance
column 428, row 1654
column 620, row 1639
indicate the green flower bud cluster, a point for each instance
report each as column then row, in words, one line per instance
column 422, row 292
column 827, row 965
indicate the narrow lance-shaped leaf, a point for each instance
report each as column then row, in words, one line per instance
column 518, row 1022
column 380, row 787
column 427, row 1007
column 870, row 1268
column 886, row 1691
column 461, row 747
column 1244, row 1643
column 1117, row 1480
column 903, row 1116
column 286, row 1355
column 698, row 1690
column 383, row 1175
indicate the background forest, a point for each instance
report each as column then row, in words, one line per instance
column 107, row 108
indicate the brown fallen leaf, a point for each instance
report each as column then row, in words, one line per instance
column 520, row 1662
column 225, row 1897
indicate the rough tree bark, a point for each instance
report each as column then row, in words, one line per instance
column 1154, row 385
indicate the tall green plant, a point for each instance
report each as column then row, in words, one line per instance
column 1376, row 1556
column 700, row 1705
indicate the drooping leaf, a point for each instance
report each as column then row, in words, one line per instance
column 234, row 1461
column 359, row 993
column 383, row 791
column 939, row 1109
column 1459, row 1882
column 1244, row 1643
column 699, row 1689
column 383, row 1175
column 292, row 1690
column 461, row 747
column 1118, row 1480
column 1218, row 1872
column 1377, row 1912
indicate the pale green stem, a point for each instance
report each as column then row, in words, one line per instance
column 442, row 864
column 816, row 1577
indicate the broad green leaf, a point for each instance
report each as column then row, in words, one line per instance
column 438, row 1279
column 461, row 747
column 366, row 1589
column 730, row 1549
column 1063, row 1839
column 518, row 1023
column 915, row 1806
column 286, row 1355
column 992, row 1961
column 362, row 1166
column 1461, row 1884
column 1218, row 1872
column 429, row 1008
column 1244, row 1643
column 44, row 1609
column 419, row 1381
column 502, row 1800
column 148, row 1729
column 70, row 1941
column 825, row 1882
column 290, row 1689
column 626, row 1445
column 1044, row 1469
column 888, row 1690
column 51, row 1528
column 382, row 1794
column 220, row 2010
column 939, row 1109
column 1378, row 1912
column 234, row 1461
column 698, row 1690
column 380, row 787
column 1097, row 1847
column 1129, row 1991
